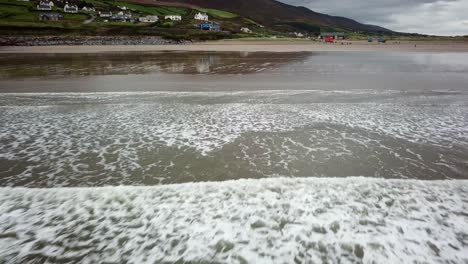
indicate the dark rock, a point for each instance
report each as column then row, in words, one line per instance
column 84, row 40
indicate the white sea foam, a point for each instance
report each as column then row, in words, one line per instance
column 125, row 133
column 308, row 220
column 208, row 127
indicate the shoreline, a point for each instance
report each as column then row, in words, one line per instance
column 253, row 46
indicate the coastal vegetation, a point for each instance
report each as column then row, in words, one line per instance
column 22, row 18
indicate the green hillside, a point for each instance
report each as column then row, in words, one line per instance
column 21, row 18
column 17, row 17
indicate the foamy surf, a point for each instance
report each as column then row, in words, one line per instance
column 281, row 220
column 149, row 138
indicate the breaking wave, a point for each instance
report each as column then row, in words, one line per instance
column 280, row 220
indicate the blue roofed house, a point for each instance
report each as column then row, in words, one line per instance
column 209, row 26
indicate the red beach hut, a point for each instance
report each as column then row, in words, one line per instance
column 329, row 39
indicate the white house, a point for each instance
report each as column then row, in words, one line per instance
column 121, row 18
column 246, row 30
column 105, row 14
column 88, row 9
column 126, row 14
column 173, row 17
column 299, row 34
column 148, row 19
column 70, row 9
column 201, row 16
column 45, row 5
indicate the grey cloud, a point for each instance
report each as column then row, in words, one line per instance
column 441, row 17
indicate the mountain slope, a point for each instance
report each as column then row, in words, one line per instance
column 271, row 13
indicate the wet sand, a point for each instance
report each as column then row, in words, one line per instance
column 256, row 45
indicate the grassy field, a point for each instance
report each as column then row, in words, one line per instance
column 155, row 10
column 22, row 18
column 24, row 14
column 217, row 13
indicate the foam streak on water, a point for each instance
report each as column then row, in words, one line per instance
column 149, row 138
column 246, row 221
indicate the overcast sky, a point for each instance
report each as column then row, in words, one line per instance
column 443, row 17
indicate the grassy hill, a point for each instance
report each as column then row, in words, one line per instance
column 274, row 14
column 17, row 17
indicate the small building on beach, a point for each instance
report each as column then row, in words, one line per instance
column 334, row 35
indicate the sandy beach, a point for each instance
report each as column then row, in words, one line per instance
column 254, row 46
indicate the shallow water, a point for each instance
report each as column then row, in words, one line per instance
column 158, row 118
column 153, row 119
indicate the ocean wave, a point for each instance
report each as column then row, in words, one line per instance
column 281, row 220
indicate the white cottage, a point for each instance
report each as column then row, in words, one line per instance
column 148, row 19
column 105, row 14
column 246, row 30
column 173, row 17
column 88, row 9
column 45, row 5
column 201, row 16
column 70, row 9
column 299, row 34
